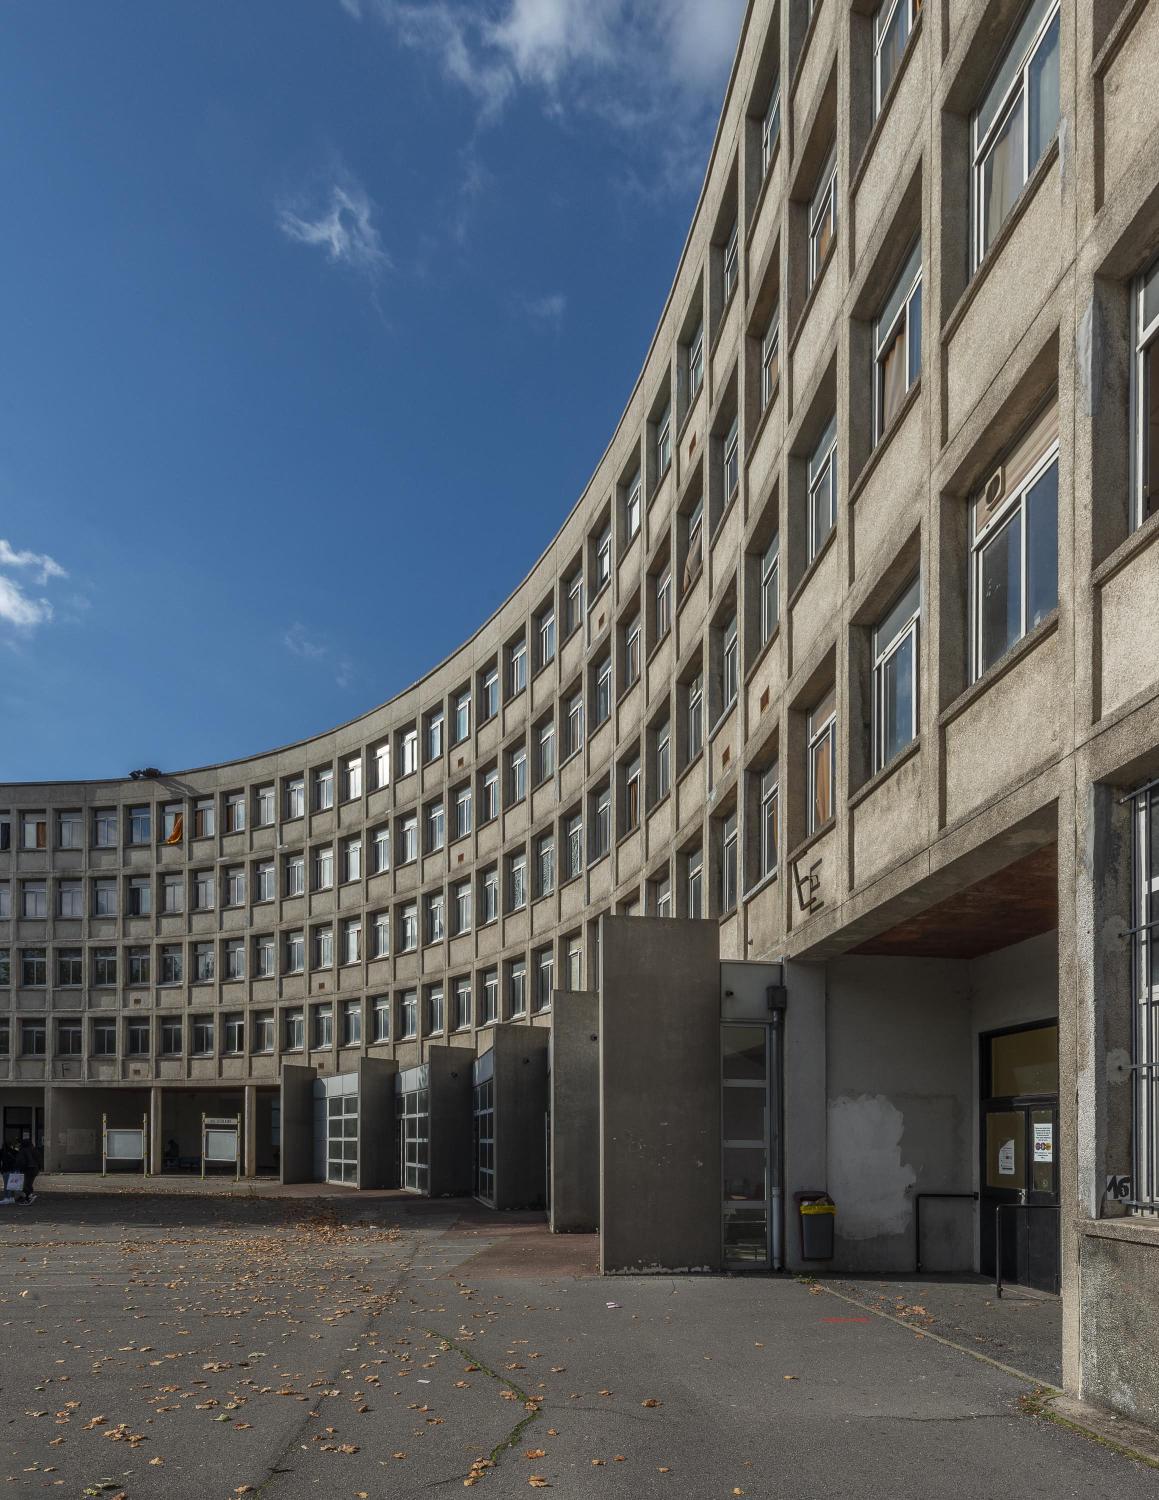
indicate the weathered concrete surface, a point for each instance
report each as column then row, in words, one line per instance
column 575, row 1112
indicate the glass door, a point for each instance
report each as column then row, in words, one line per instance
column 342, row 1139
column 746, row 1179
column 485, row 1141
column 414, row 1139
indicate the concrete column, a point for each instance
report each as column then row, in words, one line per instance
column 156, row 1131
column 297, row 1123
column 250, row 1131
column 52, row 1151
column 377, row 1152
column 575, row 1113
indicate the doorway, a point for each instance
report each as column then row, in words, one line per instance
column 22, row 1120
column 1019, row 1201
column 414, row 1132
column 750, row 1111
column 342, row 1139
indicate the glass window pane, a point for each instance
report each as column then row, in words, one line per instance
column 745, row 1236
column 1024, row 1062
column 892, row 46
column 1000, row 584
column 1042, row 76
column 1006, row 1149
column 1002, row 177
column 743, row 1052
column 898, row 696
column 915, row 335
column 893, row 376
column 744, row 1173
column 744, row 1114
column 1151, row 429
column 822, row 783
column 1042, row 547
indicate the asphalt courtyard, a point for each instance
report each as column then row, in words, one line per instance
column 204, row 1349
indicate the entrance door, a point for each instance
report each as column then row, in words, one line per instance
column 1019, row 1116
column 485, row 1141
column 750, row 1226
column 342, row 1139
column 414, row 1139
column 22, row 1120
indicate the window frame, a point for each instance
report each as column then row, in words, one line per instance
column 883, row 653
column 822, row 469
column 884, row 335
column 822, row 206
column 1144, row 337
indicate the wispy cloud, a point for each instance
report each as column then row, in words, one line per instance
column 339, row 221
column 18, row 608
column 651, row 69
column 547, row 311
column 299, row 642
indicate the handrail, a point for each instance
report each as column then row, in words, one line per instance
column 918, row 1220
column 998, row 1207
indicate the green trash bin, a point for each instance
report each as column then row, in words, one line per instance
column 817, row 1214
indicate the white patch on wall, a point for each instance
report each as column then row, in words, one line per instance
column 868, row 1180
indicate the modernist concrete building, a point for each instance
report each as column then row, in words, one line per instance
column 841, row 679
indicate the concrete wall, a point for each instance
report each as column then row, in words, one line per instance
column 451, row 1164
column 377, row 1147
column 297, row 1123
column 806, row 1121
column 659, row 1145
column 520, row 1116
column 574, row 1082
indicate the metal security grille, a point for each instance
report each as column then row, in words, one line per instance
column 1145, row 992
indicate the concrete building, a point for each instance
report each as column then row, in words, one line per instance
column 845, row 663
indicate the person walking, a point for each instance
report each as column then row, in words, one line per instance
column 7, row 1165
column 28, row 1162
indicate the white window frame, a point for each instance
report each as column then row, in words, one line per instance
column 822, row 474
column 696, row 362
column 770, row 831
column 823, row 207
column 729, row 871
column 771, row 359
column 1144, row 339
column 695, row 716
column 731, row 262
column 664, row 442
column 730, row 460
column 907, row 293
column 770, row 588
column 905, row 635
column 819, row 732
column 771, row 129
column 882, row 21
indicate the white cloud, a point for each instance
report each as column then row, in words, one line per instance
column 45, row 567
column 547, row 310
column 18, row 608
column 341, row 222
column 299, row 643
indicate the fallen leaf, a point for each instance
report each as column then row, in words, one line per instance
column 534, row 1453
column 651, row 1401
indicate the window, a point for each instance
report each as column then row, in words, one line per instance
column 695, row 717
column 104, row 1038
column 662, row 897
column 70, row 898
column 518, row 668
column 574, row 846
column 462, row 907
column 771, row 359
column 104, row 898
column 409, row 839
column 5, row 974
column 172, row 894
column 575, row 723
column 204, row 818
column 68, row 1039
column 140, row 826
column 547, row 636
column 1015, row 121
column 891, row 28
column 264, row 956
column 436, row 917
column 663, row 761
column 294, row 797
column 69, row 830
column 293, row 1031
column 105, row 828
column 694, row 882
column 409, row 927
column 462, row 716
column 5, row 831
column 895, row 677
column 352, row 860
column 632, row 795
column 490, row 896
column 382, row 765
column 34, row 829
column 730, row 666
column 352, row 779
column 731, row 261
column 823, row 489
column 517, row 978
column 663, row 442
column 695, row 362
column 172, row 963
column 34, row 1038
column 352, row 940
column 574, row 613
column 1146, row 395
column 295, row 952
column 771, row 129
column 436, row 827
column 140, row 968
column 601, row 827
column 381, row 935
column 323, row 871
column 603, row 559
column 5, row 900
column 490, row 693
column 408, row 1009
column 264, row 806
column 461, row 1014
column 203, row 890
column 234, row 953
column 352, row 1023
column 664, row 604
column 632, row 494
column 381, row 850
column 632, row 653
column 435, row 1010
column 518, row 774
column 201, row 1034
column 694, row 559
column 69, row 968
column 322, row 1026
column 380, row 1011
column 435, row 735
column 235, row 886
column 1014, row 545
column 545, row 755
column 263, row 1031
column 823, row 218
column 409, row 757
column 490, row 797
column 544, row 979
column 490, row 998
column 518, row 882
column 203, row 965
column 462, row 812
column 323, row 788
column 822, row 752
column 770, row 824
column 545, row 864
column 731, row 460
column 232, row 1035
column 263, row 882
column 897, row 344
column 770, row 588
column 34, row 898
column 603, row 703
column 235, row 812
column 575, row 963
column 171, row 1039
column 728, row 864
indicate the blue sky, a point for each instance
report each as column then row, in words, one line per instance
column 317, row 315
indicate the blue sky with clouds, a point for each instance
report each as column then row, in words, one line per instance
column 315, row 312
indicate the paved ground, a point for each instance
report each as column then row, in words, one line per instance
column 185, row 1349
